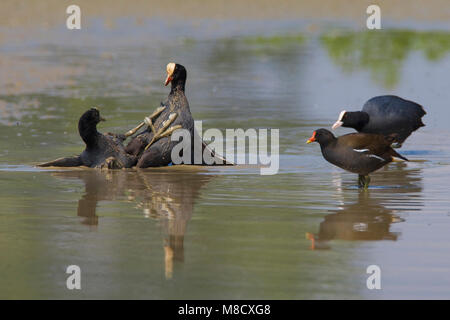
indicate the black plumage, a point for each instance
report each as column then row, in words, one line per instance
column 150, row 148
column 102, row 150
column 386, row 115
column 159, row 153
column 360, row 153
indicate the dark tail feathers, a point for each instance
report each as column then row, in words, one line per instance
column 63, row 162
column 397, row 155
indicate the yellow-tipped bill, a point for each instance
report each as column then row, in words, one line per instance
column 313, row 138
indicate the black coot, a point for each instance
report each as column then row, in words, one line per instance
column 386, row 115
column 102, row 150
column 175, row 112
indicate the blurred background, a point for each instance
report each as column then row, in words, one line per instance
column 178, row 233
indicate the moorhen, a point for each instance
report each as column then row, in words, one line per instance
column 360, row 153
column 102, row 150
column 385, row 115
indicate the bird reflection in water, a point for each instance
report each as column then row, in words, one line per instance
column 167, row 196
column 368, row 219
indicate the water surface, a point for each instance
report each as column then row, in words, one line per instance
column 195, row 232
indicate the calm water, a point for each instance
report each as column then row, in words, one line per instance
column 183, row 232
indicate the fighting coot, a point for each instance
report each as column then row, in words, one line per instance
column 102, row 150
column 385, row 115
column 153, row 146
column 360, row 153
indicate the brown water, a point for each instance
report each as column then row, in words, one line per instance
column 195, row 232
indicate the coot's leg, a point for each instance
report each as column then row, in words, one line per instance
column 111, row 163
column 63, row 162
column 134, row 130
column 164, row 131
column 148, row 121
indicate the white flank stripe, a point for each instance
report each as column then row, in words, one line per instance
column 361, row 150
column 374, row 156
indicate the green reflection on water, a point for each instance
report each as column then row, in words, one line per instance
column 164, row 234
column 229, row 234
column 278, row 40
column 383, row 52
column 40, row 126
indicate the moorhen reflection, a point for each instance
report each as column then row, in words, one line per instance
column 368, row 219
column 365, row 220
column 168, row 198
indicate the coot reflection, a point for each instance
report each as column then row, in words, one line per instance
column 168, row 198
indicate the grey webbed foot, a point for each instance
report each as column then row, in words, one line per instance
column 155, row 114
column 164, row 131
column 111, row 163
